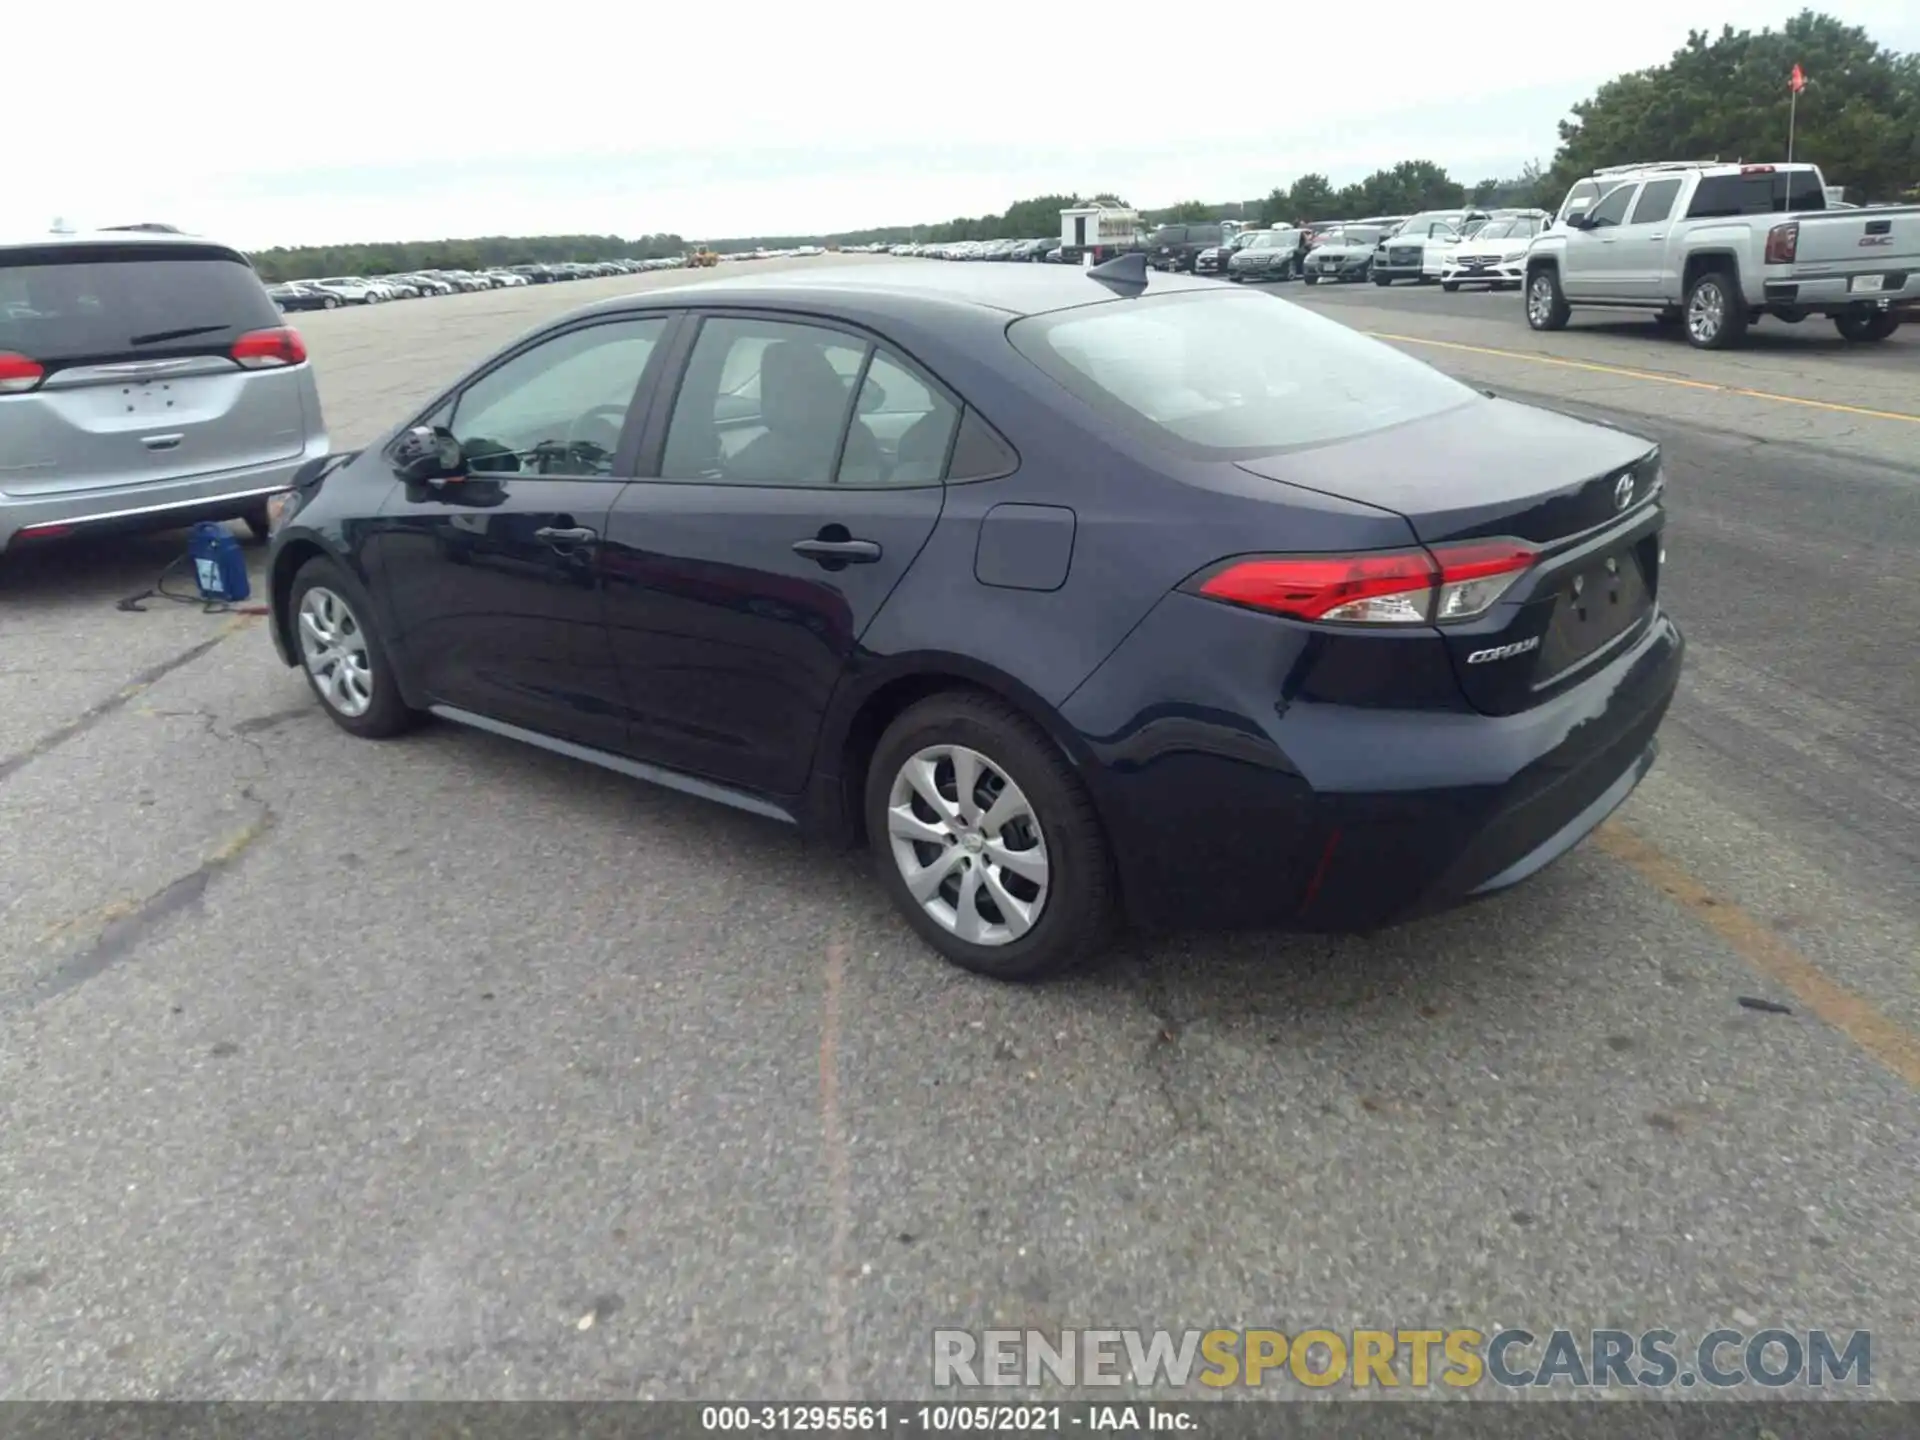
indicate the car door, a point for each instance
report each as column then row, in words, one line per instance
column 777, row 519
column 1590, row 265
column 493, row 579
column 1640, row 245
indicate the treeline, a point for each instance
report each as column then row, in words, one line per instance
column 306, row 262
column 1721, row 96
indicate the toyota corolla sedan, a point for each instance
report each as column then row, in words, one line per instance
column 1078, row 596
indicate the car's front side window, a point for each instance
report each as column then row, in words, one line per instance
column 559, row 408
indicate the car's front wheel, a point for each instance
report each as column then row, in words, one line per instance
column 1450, row 286
column 1310, row 279
column 986, row 840
column 1547, row 307
column 342, row 655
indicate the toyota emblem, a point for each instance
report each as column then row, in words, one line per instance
column 1623, row 492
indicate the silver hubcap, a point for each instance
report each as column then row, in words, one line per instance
column 1540, row 300
column 334, row 649
column 1706, row 311
column 968, row 845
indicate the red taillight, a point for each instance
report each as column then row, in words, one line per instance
column 18, row 373
column 1783, row 243
column 1400, row 587
column 263, row 349
column 1756, row 169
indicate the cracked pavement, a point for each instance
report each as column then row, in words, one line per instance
column 332, row 1069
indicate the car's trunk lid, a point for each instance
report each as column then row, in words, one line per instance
column 140, row 385
column 1585, row 496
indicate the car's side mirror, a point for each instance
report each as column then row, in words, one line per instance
column 1577, row 220
column 426, row 454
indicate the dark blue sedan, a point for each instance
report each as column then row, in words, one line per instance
column 1076, row 596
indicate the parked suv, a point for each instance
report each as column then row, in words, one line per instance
column 1178, row 247
column 146, row 381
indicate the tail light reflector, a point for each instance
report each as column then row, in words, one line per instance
column 1397, row 587
column 18, row 373
column 265, row 349
column 1783, row 243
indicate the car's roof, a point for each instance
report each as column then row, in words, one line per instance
column 81, row 239
column 1011, row 289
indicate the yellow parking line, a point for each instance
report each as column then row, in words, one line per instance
column 1654, row 376
column 1755, row 942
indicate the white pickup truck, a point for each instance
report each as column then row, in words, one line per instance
column 1716, row 247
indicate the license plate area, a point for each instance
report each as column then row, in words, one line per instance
column 1596, row 605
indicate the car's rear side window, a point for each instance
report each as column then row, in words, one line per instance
column 1226, row 374
column 1761, row 193
column 64, row 305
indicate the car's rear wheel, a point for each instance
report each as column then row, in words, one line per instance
column 329, row 303
column 341, row 653
column 1547, row 307
column 986, row 840
column 1867, row 328
column 1716, row 317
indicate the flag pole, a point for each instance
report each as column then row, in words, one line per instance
column 1793, row 113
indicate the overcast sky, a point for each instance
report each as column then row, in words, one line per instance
column 349, row 120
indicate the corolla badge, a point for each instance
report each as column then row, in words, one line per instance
column 1623, row 491
column 1504, row 652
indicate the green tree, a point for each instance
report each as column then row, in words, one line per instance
column 1187, row 212
column 1311, row 197
column 1725, row 96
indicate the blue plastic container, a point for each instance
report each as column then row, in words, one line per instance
column 219, row 569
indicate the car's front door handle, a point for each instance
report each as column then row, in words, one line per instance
column 846, row 552
column 566, row 534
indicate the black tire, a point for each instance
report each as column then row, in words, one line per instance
column 1867, row 328
column 387, row 712
column 1383, row 279
column 329, row 303
column 1310, row 279
column 1732, row 309
column 1078, row 916
column 1450, row 286
column 259, row 526
column 1547, row 307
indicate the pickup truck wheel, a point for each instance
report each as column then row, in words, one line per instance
column 1547, row 307
column 1860, row 328
column 1716, row 317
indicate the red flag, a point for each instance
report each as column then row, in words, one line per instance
column 1797, row 81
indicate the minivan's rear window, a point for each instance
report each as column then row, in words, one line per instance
column 71, row 305
column 1227, row 374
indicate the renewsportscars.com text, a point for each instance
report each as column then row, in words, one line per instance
column 1411, row 1359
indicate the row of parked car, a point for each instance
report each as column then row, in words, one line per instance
column 333, row 291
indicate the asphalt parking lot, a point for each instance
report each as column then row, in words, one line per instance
column 447, row 1068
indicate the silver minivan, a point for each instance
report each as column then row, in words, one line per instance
column 146, row 382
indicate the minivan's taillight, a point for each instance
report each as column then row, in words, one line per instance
column 18, row 373
column 263, row 349
column 1783, row 243
column 1397, row 587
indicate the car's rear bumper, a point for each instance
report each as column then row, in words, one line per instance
column 1229, row 804
column 161, row 505
column 1900, row 291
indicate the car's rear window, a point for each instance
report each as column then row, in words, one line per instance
column 1230, row 375
column 66, row 305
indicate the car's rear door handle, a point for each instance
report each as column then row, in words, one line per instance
column 846, row 552
column 566, row 534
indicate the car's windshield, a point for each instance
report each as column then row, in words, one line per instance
column 1274, row 240
column 1357, row 235
column 1498, row 230
column 1225, row 374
